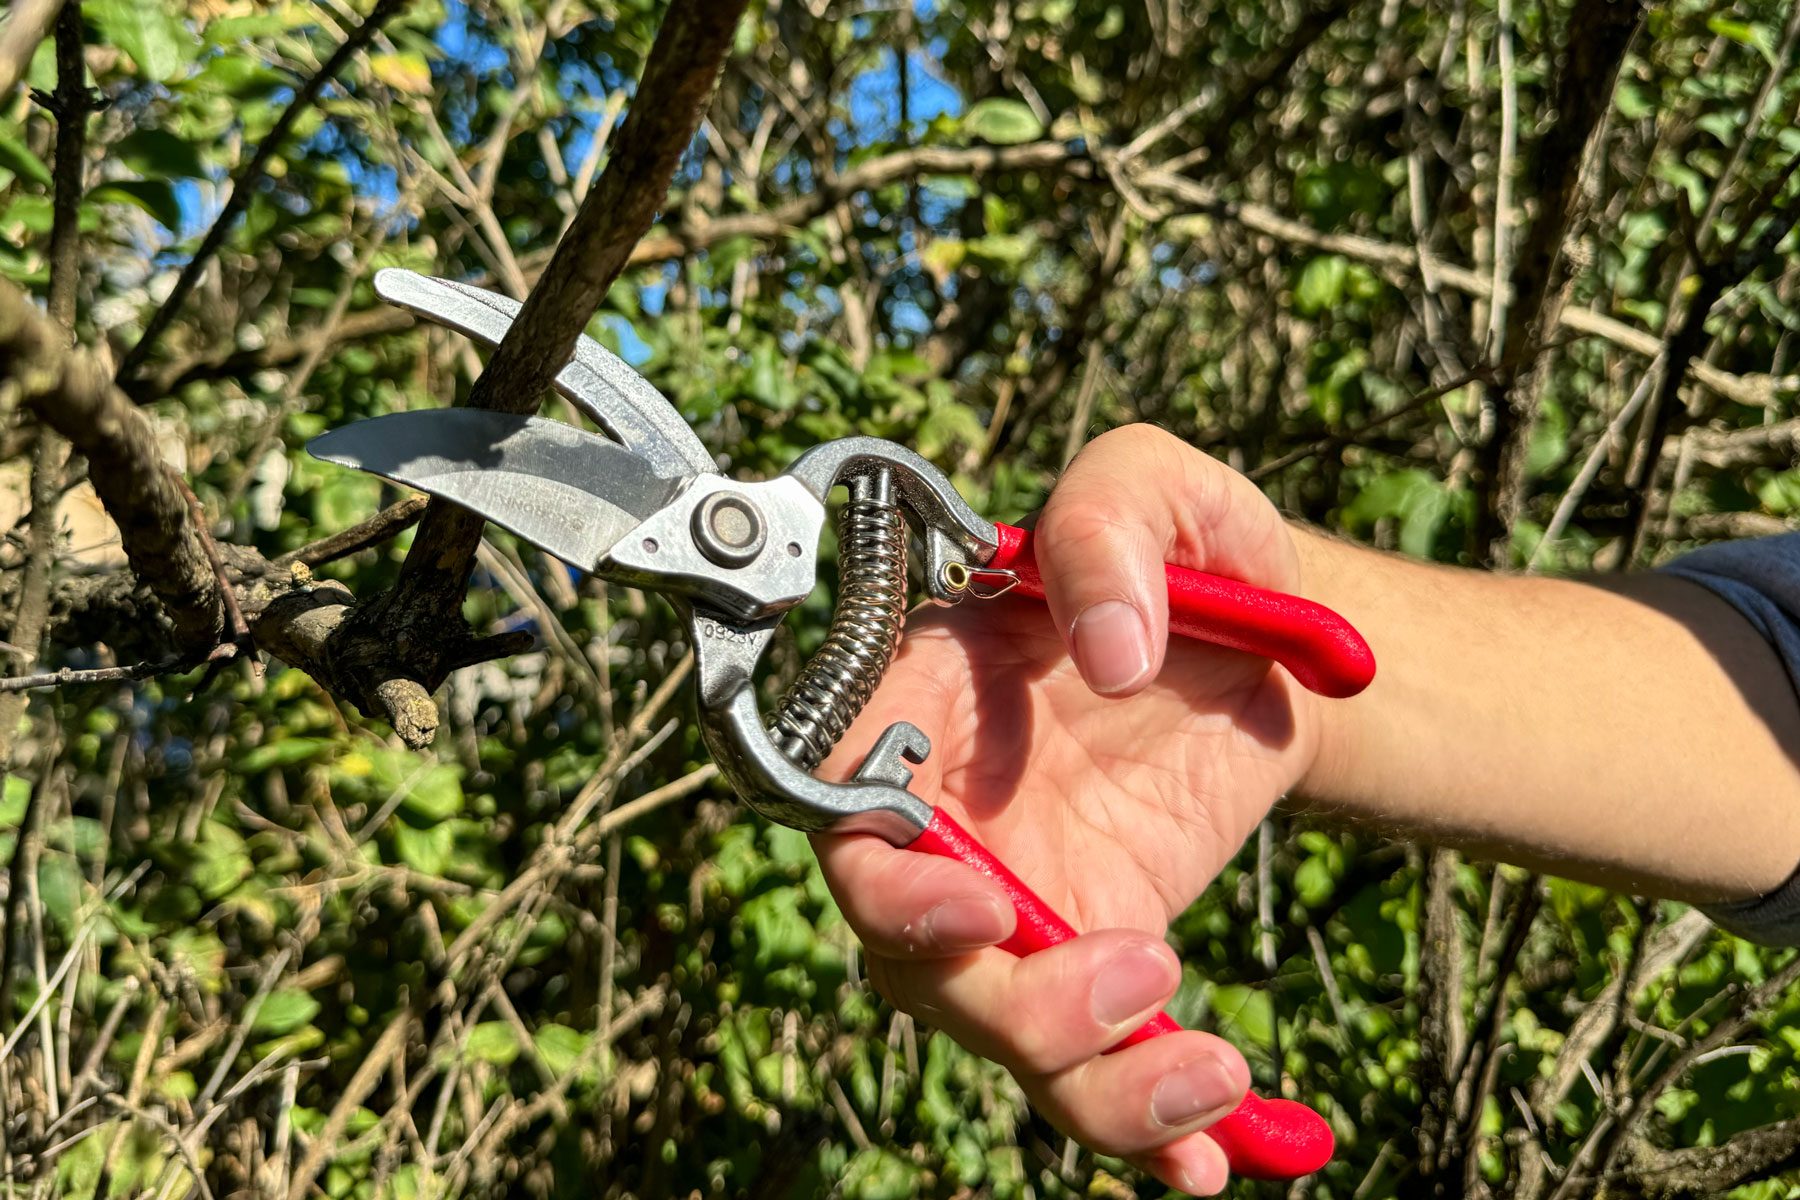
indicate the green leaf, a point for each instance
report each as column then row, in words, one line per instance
column 238, row 76
column 35, row 212
column 1313, row 882
column 1321, row 284
column 768, row 383
column 1634, row 101
column 284, row 1011
column 17, row 157
column 221, row 862
column 560, row 1047
column 437, row 795
column 346, row 499
column 1759, row 38
column 878, row 1174
column 226, row 30
column 1420, row 522
column 1415, row 497
column 1001, row 249
column 1244, row 1014
column 1003, row 122
column 781, row 932
column 159, row 154
column 150, row 31
column 14, row 801
column 430, row 851
column 60, row 885
column 154, row 196
column 284, row 753
column 492, row 1042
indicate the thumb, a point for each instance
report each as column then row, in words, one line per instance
column 1132, row 499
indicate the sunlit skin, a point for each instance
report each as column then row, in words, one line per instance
column 1635, row 734
column 1118, row 812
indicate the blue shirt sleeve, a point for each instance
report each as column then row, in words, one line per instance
column 1760, row 577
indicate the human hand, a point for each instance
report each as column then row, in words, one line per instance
column 1118, row 813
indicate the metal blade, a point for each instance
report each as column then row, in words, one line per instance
column 597, row 381
column 563, row 489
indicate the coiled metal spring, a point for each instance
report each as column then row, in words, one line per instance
column 865, row 626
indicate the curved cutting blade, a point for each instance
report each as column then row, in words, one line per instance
column 597, row 381
column 562, row 489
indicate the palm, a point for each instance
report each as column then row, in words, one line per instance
column 1117, row 812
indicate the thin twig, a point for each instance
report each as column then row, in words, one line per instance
column 385, row 525
column 69, row 677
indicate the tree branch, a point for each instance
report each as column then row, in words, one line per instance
column 676, row 240
column 244, row 185
column 390, row 522
column 67, row 676
column 1750, row 1156
column 73, row 393
column 401, row 634
column 71, row 102
column 288, row 614
column 1599, row 32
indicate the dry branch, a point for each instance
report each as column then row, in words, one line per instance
column 288, row 616
column 398, row 641
column 31, row 618
column 1756, row 1154
column 73, row 393
column 1593, row 51
column 681, row 236
column 388, row 523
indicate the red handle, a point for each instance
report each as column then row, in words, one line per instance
column 1262, row 1139
column 1318, row 647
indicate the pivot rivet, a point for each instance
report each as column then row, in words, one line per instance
column 728, row 529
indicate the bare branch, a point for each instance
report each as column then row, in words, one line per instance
column 389, row 523
column 1750, row 1156
column 74, row 394
column 401, row 634
column 68, row 677
column 72, row 103
column 675, row 240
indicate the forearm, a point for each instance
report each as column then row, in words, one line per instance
column 1639, row 735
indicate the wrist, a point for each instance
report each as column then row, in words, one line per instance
column 1322, row 566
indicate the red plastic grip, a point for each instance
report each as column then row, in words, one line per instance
column 1262, row 1139
column 1318, row 647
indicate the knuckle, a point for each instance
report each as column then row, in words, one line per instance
column 1036, row 1048
column 1132, row 439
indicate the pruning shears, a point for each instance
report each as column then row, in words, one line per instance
column 647, row 506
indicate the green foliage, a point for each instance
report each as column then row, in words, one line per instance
column 259, row 882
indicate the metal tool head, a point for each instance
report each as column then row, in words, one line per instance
column 563, row 489
column 653, row 511
column 597, row 381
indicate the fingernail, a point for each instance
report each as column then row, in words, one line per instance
column 965, row 923
column 1192, row 1090
column 1132, row 980
column 1209, row 1180
column 1111, row 647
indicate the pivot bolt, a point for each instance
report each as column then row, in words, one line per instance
column 728, row 529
